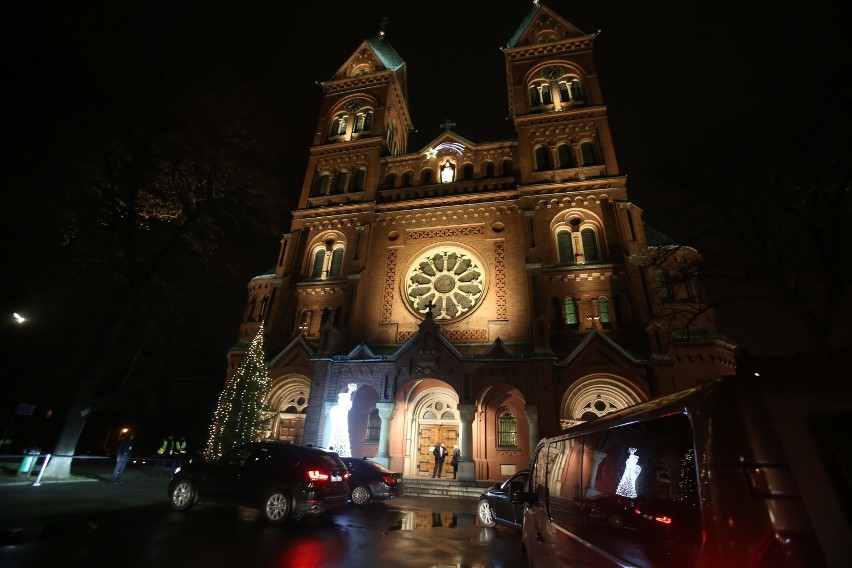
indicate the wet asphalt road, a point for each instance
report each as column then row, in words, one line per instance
column 97, row 523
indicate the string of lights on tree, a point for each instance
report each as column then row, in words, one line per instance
column 239, row 416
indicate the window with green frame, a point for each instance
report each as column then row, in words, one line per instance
column 571, row 318
column 507, row 429
column 604, row 312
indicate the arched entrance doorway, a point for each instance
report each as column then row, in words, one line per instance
column 434, row 418
column 288, row 401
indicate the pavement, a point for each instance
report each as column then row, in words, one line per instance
column 90, row 489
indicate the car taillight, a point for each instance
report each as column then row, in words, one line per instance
column 785, row 549
column 317, row 475
column 389, row 479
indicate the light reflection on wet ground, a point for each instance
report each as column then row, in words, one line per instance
column 412, row 520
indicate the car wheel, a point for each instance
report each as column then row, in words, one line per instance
column 361, row 495
column 486, row 513
column 615, row 521
column 277, row 507
column 183, row 495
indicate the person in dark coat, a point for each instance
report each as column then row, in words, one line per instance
column 122, row 456
column 440, row 453
column 454, row 461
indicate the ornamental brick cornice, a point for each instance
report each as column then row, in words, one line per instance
column 445, row 201
column 448, row 214
column 594, row 113
column 572, row 45
column 359, row 82
column 361, row 144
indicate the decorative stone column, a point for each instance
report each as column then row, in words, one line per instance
column 386, row 410
column 467, row 467
column 597, row 458
column 532, row 419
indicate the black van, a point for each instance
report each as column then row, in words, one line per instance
column 739, row 472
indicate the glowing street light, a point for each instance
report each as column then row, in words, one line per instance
column 19, row 318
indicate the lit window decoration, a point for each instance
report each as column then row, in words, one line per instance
column 339, row 422
column 632, row 469
column 448, row 171
column 448, row 281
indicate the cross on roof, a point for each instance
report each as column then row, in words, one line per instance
column 383, row 26
column 447, row 124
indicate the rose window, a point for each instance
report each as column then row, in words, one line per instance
column 449, row 281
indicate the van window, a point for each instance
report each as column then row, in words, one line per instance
column 640, row 492
column 564, row 480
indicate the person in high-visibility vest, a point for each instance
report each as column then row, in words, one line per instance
column 166, row 450
column 180, row 449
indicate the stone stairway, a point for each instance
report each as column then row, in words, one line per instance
column 444, row 487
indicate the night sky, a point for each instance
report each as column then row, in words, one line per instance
column 668, row 71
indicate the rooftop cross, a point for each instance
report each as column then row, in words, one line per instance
column 447, row 124
column 383, row 26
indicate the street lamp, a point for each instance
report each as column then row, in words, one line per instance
column 19, row 318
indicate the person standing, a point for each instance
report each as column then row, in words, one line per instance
column 122, row 456
column 165, row 452
column 454, row 461
column 180, row 449
column 440, row 453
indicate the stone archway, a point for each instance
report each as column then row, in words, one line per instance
column 433, row 417
column 288, row 401
column 596, row 396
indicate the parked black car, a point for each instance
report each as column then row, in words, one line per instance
column 615, row 511
column 494, row 507
column 285, row 481
column 370, row 481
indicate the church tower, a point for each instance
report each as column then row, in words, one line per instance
column 478, row 294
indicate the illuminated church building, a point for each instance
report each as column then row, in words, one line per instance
column 483, row 295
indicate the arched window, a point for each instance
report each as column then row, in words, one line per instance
column 390, row 181
column 604, row 312
column 565, row 246
column 336, row 262
column 340, row 182
column 565, row 154
column 426, row 177
column 374, row 425
column 569, row 90
column 338, row 125
column 571, row 318
column 507, row 168
column 360, row 176
column 406, row 179
column 467, row 171
column 489, row 169
column 327, row 316
column 363, row 121
column 319, row 263
column 263, row 304
column 590, row 245
column 323, row 181
column 535, row 96
column 542, row 159
column 540, row 94
column 448, row 171
column 587, row 151
column 507, row 429
column 304, row 321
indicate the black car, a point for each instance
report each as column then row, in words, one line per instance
column 614, row 511
column 285, row 481
column 370, row 481
column 494, row 507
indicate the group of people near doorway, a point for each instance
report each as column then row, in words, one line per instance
column 440, row 453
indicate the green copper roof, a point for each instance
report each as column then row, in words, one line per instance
column 386, row 53
column 657, row 239
column 514, row 40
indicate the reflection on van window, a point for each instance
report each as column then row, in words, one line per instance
column 630, row 491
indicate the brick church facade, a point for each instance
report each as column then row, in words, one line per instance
column 479, row 294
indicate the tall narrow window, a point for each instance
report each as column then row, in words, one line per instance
column 576, row 91
column 263, row 304
column 542, row 158
column 566, row 156
column 360, row 176
column 507, row 428
column 374, row 425
column 565, row 244
column 467, row 171
column 587, row 150
column 340, row 182
column 304, row 321
column 546, row 98
column 535, row 98
column 322, row 184
column 604, row 312
column 489, row 169
column 507, row 168
column 390, row 181
column 319, row 263
column 564, row 92
column 590, row 245
column 571, row 318
column 426, row 177
column 336, row 262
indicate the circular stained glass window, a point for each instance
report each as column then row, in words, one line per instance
column 447, row 280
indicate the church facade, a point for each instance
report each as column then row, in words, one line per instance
column 478, row 294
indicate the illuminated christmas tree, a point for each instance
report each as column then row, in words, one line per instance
column 239, row 415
